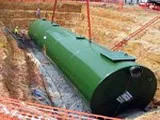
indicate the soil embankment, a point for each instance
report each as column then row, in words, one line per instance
column 18, row 73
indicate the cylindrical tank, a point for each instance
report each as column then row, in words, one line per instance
column 110, row 81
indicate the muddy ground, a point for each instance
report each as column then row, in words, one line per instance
column 109, row 26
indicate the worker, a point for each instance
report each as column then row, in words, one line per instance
column 38, row 13
column 23, row 35
column 16, row 30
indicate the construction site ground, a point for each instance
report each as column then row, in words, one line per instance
column 21, row 76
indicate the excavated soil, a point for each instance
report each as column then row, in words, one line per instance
column 18, row 74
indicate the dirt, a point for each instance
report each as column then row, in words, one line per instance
column 154, row 115
column 18, row 73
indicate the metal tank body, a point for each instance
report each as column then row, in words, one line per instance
column 110, row 81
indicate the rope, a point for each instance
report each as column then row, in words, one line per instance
column 125, row 40
column 54, row 9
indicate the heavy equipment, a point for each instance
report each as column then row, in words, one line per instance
column 111, row 82
column 151, row 4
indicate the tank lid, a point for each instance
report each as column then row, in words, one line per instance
column 117, row 56
column 55, row 24
column 44, row 19
column 79, row 37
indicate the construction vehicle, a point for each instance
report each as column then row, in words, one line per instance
column 151, row 4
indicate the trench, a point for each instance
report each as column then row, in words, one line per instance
column 52, row 87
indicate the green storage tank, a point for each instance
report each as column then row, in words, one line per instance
column 110, row 81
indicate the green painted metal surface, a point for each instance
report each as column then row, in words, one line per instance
column 110, row 81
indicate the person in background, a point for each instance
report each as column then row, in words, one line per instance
column 16, row 30
column 23, row 35
column 38, row 13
